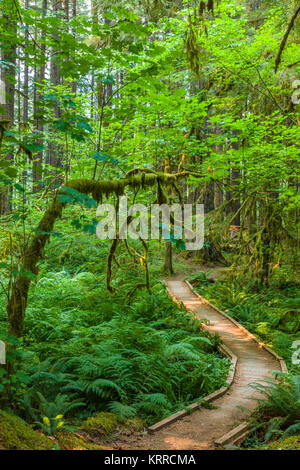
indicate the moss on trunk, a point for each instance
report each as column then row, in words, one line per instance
column 138, row 178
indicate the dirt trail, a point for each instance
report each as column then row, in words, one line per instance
column 200, row 429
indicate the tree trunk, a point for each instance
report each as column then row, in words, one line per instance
column 218, row 196
column 74, row 14
column 168, row 264
column 55, row 152
column 8, row 78
column 38, row 159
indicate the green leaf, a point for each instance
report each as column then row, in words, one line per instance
column 4, row 265
column 84, row 125
column 9, row 134
column 19, row 187
column 65, row 198
column 100, row 157
column 11, row 172
column 34, row 147
column 61, row 125
column 109, row 79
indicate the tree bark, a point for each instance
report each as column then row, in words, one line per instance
column 38, row 159
column 55, row 153
column 168, row 263
column 8, row 77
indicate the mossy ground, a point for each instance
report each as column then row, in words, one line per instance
column 101, row 423
column 107, row 426
column 290, row 443
column 70, row 441
column 16, row 434
column 95, row 433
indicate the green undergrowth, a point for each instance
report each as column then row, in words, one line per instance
column 95, row 433
column 98, row 432
column 86, row 351
column 271, row 313
column 254, row 442
column 290, row 443
column 109, row 425
column 277, row 415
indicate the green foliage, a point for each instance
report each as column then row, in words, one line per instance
column 81, row 345
column 12, row 380
column 278, row 413
column 272, row 314
column 200, row 277
column 290, row 443
column 167, row 86
column 100, row 422
column 48, row 415
column 15, row 434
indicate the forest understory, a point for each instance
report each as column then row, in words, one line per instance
column 157, row 103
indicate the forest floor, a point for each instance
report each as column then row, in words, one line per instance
column 196, row 431
column 201, row 429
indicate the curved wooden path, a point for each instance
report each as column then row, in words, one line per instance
column 201, row 429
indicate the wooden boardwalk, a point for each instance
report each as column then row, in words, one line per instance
column 201, row 429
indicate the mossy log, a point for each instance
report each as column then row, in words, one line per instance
column 15, row 434
column 17, row 301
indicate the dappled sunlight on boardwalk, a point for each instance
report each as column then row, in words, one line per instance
column 203, row 427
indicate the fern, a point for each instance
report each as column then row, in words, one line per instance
column 150, row 356
column 122, row 411
column 278, row 414
column 292, row 430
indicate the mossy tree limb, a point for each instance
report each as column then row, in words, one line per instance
column 19, row 287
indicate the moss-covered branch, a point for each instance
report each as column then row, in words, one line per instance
column 138, row 178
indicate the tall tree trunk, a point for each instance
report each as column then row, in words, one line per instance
column 38, row 159
column 26, row 74
column 168, row 263
column 236, row 203
column 74, row 14
column 8, row 78
column 218, row 196
column 55, row 153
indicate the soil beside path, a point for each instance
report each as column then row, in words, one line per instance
column 202, row 428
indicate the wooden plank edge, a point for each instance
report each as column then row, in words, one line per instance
column 234, row 436
column 189, row 409
column 250, row 335
column 209, row 398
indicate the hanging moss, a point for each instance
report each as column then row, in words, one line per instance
column 17, row 302
column 162, row 197
column 177, row 191
column 135, row 171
